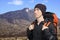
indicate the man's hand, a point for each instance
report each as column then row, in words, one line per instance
column 31, row 27
column 44, row 27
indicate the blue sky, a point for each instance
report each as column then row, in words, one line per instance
column 12, row 5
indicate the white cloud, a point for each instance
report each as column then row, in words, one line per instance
column 16, row 2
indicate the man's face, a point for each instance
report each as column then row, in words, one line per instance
column 37, row 12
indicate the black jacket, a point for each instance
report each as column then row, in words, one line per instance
column 38, row 34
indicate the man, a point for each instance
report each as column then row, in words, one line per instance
column 37, row 30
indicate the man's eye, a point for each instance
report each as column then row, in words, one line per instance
column 38, row 9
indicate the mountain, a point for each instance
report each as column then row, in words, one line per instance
column 15, row 23
column 19, row 14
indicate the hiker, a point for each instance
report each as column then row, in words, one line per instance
column 37, row 30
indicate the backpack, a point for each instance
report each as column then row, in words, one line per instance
column 51, row 18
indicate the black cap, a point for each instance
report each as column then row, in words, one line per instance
column 42, row 7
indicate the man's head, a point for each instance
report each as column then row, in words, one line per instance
column 39, row 10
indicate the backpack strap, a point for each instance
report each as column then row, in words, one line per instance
column 55, row 24
column 47, row 24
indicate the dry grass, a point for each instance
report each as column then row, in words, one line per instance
column 14, row 38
